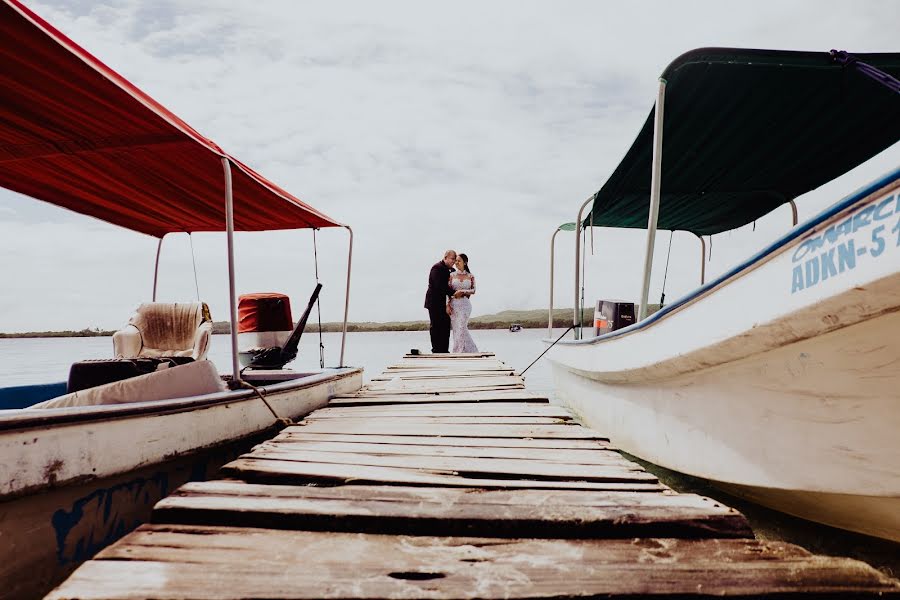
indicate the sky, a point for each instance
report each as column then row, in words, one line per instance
column 477, row 126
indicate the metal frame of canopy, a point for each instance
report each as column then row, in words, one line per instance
column 232, row 295
column 575, row 317
column 813, row 63
column 229, row 229
column 67, row 157
column 575, row 320
column 563, row 227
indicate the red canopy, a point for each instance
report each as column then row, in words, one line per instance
column 75, row 133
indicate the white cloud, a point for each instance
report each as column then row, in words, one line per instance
column 479, row 126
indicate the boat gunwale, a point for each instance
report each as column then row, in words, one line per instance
column 25, row 418
column 887, row 183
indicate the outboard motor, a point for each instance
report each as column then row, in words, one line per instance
column 269, row 312
column 610, row 315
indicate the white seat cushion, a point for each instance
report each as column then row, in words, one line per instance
column 192, row 379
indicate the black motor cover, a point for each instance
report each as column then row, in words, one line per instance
column 278, row 356
column 610, row 315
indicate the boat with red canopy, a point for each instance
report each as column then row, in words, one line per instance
column 80, row 470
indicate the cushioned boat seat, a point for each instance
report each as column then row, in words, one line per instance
column 192, row 379
column 165, row 329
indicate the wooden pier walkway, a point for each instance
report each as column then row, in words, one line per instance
column 446, row 478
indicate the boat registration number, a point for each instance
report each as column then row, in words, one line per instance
column 870, row 231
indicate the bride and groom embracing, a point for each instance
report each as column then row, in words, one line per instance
column 447, row 301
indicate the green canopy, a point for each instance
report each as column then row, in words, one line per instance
column 746, row 131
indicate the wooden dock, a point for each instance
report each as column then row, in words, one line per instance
column 446, row 478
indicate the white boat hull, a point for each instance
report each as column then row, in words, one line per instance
column 76, row 479
column 789, row 397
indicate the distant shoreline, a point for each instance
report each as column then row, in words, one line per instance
column 528, row 319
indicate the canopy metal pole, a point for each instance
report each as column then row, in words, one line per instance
column 229, row 226
column 576, row 317
column 702, row 259
column 346, row 296
column 655, row 184
column 550, row 310
column 156, row 267
column 793, row 212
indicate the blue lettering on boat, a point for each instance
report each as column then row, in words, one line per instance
column 812, row 272
column 863, row 218
column 828, row 267
column 846, row 256
column 797, row 279
column 821, row 257
column 819, row 268
column 880, row 213
column 831, row 236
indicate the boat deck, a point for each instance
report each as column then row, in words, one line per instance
column 446, row 478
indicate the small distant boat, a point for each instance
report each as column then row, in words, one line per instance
column 515, row 327
column 87, row 467
column 778, row 380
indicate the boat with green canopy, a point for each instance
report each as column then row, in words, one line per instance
column 777, row 380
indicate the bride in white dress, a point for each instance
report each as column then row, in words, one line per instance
column 460, row 307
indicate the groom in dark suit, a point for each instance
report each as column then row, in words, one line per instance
column 436, row 302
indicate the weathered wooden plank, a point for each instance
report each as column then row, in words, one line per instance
column 445, row 419
column 476, row 366
column 434, row 369
column 448, row 441
column 509, row 395
column 580, row 457
column 466, row 466
column 564, row 431
column 462, row 384
column 456, row 371
column 450, row 359
column 284, row 471
column 470, row 378
column 449, row 355
column 462, row 360
column 449, row 511
column 438, row 389
column 444, row 374
column 473, row 384
column 459, row 409
column 168, row 562
column 480, row 395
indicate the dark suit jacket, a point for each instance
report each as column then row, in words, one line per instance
column 438, row 286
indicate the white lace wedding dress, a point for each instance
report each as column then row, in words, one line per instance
column 459, row 319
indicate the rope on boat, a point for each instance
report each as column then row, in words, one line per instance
column 849, row 60
column 318, row 303
column 194, row 262
column 571, row 327
column 662, row 296
column 281, row 422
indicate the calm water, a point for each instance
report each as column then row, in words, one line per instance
column 46, row 360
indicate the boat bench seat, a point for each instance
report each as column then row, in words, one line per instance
column 191, row 379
